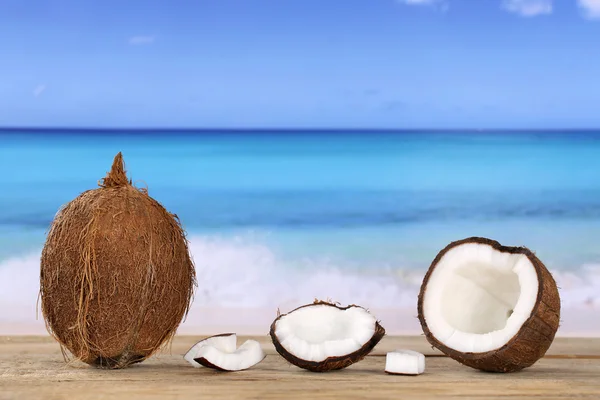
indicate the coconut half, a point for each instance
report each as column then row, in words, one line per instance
column 219, row 352
column 323, row 337
column 404, row 362
column 489, row 306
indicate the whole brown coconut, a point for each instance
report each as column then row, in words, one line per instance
column 116, row 275
column 491, row 307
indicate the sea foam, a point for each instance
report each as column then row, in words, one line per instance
column 240, row 273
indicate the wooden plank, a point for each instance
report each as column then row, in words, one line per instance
column 32, row 367
column 562, row 346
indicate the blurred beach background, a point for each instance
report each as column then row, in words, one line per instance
column 278, row 218
column 312, row 149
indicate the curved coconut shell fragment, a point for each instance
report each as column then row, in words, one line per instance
column 220, row 352
column 322, row 336
column 116, row 276
column 502, row 313
column 226, row 342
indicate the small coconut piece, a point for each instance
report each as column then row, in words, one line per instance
column 226, row 342
column 488, row 306
column 116, row 276
column 323, row 337
column 219, row 352
column 404, row 362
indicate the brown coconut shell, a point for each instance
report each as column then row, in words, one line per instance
column 330, row 363
column 205, row 363
column 535, row 336
column 116, row 275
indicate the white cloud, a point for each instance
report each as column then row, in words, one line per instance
column 141, row 40
column 591, row 8
column 39, row 89
column 419, row 2
column 442, row 5
column 528, row 8
column 422, row 2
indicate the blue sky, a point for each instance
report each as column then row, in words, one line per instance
column 300, row 63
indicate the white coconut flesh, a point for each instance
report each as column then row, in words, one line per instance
column 477, row 298
column 221, row 351
column 317, row 332
column 404, row 362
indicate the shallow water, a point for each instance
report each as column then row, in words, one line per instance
column 291, row 215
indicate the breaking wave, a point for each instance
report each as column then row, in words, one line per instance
column 243, row 273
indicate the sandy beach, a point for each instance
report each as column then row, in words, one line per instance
column 31, row 367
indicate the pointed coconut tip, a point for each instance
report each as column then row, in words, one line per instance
column 117, row 175
column 491, row 307
column 219, row 352
column 323, row 336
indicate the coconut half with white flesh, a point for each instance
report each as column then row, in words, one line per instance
column 488, row 306
column 220, row 352
column 322, row 336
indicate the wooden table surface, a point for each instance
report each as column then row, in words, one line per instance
column 32, row 367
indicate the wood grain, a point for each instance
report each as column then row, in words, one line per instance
column 32, row 367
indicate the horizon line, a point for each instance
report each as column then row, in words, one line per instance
column 74, row 129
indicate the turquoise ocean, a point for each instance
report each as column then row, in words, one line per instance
column 286, row 216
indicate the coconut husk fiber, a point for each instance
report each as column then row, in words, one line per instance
column 116, row 275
